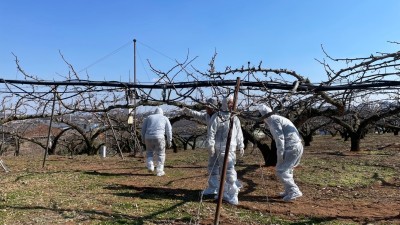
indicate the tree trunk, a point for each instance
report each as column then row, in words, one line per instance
column 92, row 150
column 174, row 146
column 269, row 154
column 17, row 147
column 194, row 144
column 308, row 139
column 355, row 142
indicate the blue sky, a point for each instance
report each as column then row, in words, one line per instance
column 96, row 36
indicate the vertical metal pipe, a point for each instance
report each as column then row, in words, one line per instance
column 228, row 145
column 134, row 89
column 248, row 92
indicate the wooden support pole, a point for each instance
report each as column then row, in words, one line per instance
column 227, row 148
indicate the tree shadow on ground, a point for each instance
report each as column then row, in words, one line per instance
column 96, row 173
column 114, row 217
column 148, row 192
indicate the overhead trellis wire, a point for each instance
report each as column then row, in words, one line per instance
column 302, row 87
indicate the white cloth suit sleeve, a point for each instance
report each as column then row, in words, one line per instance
column 201, row 116
column 212, row 130
column 276, row 130
column 144, row 128
column 168, row 131
column 239, row 136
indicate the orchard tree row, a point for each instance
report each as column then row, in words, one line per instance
column 77, row 116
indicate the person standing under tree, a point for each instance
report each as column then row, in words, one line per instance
column 217, row 136
column 212, row 167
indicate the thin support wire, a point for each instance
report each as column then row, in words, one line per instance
column 197, row 221
column 264, row 182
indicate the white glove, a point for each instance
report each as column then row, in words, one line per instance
column 211, row 151
column 241, row 152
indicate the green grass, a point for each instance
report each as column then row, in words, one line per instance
column 345, row 173
column 90, row 190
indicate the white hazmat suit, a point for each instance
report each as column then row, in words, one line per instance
column 212, row 167
column 154, row 128
column 289, row 150
column 216, row 138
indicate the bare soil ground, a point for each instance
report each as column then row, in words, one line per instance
column 339, row 187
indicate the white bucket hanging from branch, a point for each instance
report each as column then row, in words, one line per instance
column 130, row 115
column 131, row 96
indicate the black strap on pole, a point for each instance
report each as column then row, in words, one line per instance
column 228, row 145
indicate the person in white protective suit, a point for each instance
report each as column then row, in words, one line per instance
column 217, row 137
column 289, row 150
column 212, row 167
column 154, row 129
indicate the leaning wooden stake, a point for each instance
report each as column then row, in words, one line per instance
column 228, row 145
column 4, row 166
column 115, row 136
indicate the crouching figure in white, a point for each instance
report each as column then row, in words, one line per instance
column 289, row 151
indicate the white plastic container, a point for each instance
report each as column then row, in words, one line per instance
column 103, row 151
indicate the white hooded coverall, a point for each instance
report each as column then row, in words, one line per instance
column 289, row 148
column 154, row 128
column 212, row 169
column 216, row 138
